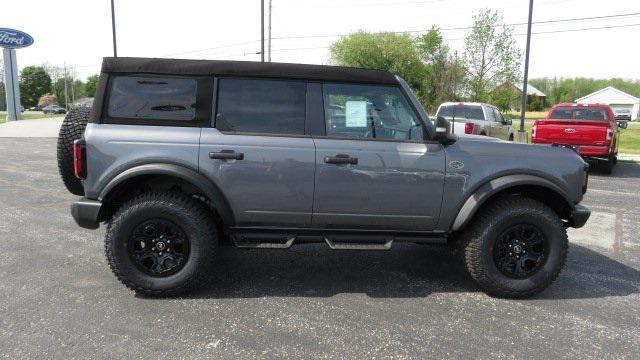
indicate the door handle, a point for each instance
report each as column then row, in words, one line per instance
column 226, row 155
column 341, row 159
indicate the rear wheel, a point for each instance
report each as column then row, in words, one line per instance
column 161, row 243
column 607, row 166
column 72, row 129
column 515, row 248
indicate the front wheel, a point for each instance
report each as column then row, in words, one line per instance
column 515, row 247
column 161, row 243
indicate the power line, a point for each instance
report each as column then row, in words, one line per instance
column 470, row 27
column 522, row 34
column 567, row 30
column 406, row 31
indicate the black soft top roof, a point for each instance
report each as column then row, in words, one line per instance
column 245, row 68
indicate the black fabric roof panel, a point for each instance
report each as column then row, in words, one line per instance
column 245, row 68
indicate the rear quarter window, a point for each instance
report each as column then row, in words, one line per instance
column 156, row 100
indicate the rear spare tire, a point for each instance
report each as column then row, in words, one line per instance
column 72, row 129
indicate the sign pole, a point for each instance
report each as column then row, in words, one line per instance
column 12, row 88
column 10, row 40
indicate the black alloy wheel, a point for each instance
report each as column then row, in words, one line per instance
column 520, row 251
column 158, row 247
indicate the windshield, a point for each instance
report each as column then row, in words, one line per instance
column 461, row 111
column 579, row 113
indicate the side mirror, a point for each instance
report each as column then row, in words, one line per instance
column 508, row 121
column 443, row 131
column 622, row 124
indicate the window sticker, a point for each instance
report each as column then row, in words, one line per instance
column 356, row 114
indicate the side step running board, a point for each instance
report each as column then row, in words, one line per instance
column 338, row 245
column 263, row 242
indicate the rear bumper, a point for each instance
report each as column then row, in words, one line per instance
column 85, row 212
column 594, row 150
column 579, row 216
column 585, row 151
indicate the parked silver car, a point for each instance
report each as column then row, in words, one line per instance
column 476, row 119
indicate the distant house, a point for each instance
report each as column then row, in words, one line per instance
column 620, row 101
column 536, row 99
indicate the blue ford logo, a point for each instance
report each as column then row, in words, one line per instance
column 14, row 39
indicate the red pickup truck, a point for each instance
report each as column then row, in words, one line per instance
column 590, row 128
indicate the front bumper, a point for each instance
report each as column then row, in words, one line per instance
column 86, row 213
column 579, row 216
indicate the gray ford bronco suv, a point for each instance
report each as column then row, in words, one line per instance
column 178, row 157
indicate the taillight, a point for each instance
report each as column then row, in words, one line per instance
column 468, row 128
column 80, row 159
column 609, row 134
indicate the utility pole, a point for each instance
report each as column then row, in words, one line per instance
column 269, row 43
column 522, row 136
column 262, row 30
column 113, row 30
column 73, row 87
column 66, row 101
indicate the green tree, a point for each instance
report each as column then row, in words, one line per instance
column 3, row 97
column 560, row 90
column 491, row 55
column 505, row 96
column 34, row 82
column 444, row 72
column 392, row 52
column 90, row 86
column 75, row 89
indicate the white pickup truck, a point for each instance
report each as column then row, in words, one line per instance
column 476, row 119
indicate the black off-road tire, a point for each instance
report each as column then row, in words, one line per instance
column 492, row 220
column 72, row 129
column 606, row 167
column 190, row 215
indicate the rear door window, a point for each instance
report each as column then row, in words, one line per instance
column 156, row 100
column 491, row 115
column 261, row 106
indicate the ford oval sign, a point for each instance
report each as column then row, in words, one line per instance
column 14, row 39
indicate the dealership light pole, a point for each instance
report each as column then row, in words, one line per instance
column 113, row 30
column 522, row 134
column 269, row 35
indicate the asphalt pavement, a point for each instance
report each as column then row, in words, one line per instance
column 58, row 298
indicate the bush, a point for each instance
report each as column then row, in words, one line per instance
column 47, row 99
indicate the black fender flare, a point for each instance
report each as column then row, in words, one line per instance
column 208, row 188
column 488, row 189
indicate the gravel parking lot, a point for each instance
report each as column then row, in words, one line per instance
column 58, row 298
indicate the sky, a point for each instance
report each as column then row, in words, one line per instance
column 78, row 32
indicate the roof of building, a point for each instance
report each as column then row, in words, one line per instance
column 531, row 90
column 245, row 68
column 616, row 96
